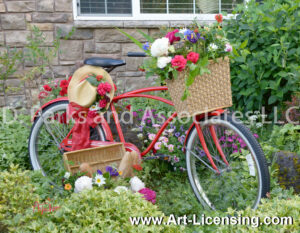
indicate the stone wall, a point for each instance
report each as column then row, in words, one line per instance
column 91, row 38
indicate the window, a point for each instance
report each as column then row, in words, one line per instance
column 151, row 9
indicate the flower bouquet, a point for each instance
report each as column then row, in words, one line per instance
column 194, row 64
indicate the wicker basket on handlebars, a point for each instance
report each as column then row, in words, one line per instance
column 209, row 92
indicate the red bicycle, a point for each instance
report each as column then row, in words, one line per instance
column 225, row 164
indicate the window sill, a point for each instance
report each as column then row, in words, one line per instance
column 134, row 23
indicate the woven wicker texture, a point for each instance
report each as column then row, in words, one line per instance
column 208, row 92
column 98, row 158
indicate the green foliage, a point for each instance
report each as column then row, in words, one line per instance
column 16, row 193
column 93, row 211
column 14, row 133
column 265, row 71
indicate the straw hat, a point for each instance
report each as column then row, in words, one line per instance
column 81, row 92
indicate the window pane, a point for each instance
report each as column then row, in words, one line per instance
column 154, row 6
column 229, row 5
column 181, row 6
column 105, row 6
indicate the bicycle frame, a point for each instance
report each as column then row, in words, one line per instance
column 67, row 143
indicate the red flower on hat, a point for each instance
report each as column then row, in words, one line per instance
column 99, row 77
column 103, row 88
column 102, row 103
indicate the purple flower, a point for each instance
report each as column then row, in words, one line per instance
column 181, row 128
column 177, row 134
column 255, row 135
column 146, row 46
column 134, row 114
column 140, row 110
column 192, row 36
column 112, row 171
column 149, row 121
column 176, row 160
column 99, row 172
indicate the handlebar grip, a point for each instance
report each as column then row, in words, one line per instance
column 136, row 54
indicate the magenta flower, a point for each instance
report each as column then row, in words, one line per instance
column 148, row 195
column 171, row 36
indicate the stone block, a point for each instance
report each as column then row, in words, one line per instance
column 2, row 8
column 20, row 6
column 62, row 71
column 16, row 38
column 48, row 38
column 112, row 56
column 45, row 5
column 50, row 17
column 130, row 47
column 28, row 17
column 2, row 102
column 134, row 83
column 78, row 34
column 108, row 48
column 1, row 40
column 89, row 46
column 16, row 101
column 71, row 50
column 63, row 5
column 155, row 33
column 112, row 35
column 43, row 26
column 133, row 63
column 13, row 21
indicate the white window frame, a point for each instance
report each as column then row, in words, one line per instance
column 136, row 15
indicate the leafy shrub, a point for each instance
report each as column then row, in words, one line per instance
column 14, row 135
column 93, row 211
column 265, row 71
column 16, row 193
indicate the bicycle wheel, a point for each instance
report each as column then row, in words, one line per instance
column 47, row 132
column 241, row 183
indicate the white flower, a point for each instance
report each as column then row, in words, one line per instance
column 253, row 118
column 259, row 125
column 67, row 175
column 99, row 180
column 136, row 184
column 120, row 189
column 171, row 130
column 160, row 47
column 228, row 48
column 163, row 61
column 172, row 49
column 94, row 107
column 145, row 141
column 140, row 136
column 82, row 183
column 212, row 47
column 183, row 30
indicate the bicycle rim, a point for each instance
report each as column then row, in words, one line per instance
column 238, row 184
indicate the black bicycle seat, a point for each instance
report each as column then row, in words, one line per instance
column 104, row 62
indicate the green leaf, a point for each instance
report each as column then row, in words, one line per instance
column 146, row 36
column 244, row 44
column 93, row 81
column 134, row 40
column 175, row 74
column 272, row 99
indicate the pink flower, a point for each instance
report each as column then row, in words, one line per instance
column 193, row 57
column 107, row 87
column 179, row 62
column 151, row 136
column 228, row 48
column 171, row 36
column 164, row 139
column 92, row 114
column 148, row 195
column 102, row 103
column 157, row 146
column 171, row 148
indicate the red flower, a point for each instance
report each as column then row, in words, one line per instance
column 47, row 88
column 92, row 114
column 179, row 62
column 102, row 103
column 171, row 36
column 128, row 107
column 141, row 69
column 99, row 77
column 69, row 79
column 193, row 57
column 63, row 91
column 137, row 167
column 43, row 95
column 219, row 18
column 103, row 88
column 64, row 83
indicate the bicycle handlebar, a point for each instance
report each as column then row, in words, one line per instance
column 136, row 54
